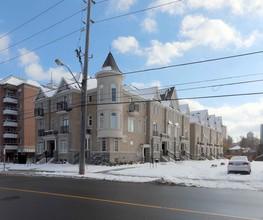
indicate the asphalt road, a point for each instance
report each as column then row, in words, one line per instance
column 26, row 198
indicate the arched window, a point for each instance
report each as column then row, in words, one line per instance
column 113, row 120
column 113, row 93
column 101, row 91
column 101, row 120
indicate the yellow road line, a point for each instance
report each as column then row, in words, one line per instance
column 124, row 203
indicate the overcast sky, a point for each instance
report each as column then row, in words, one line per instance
column 173, row 38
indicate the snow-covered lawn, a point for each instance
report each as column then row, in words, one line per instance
column 207, row 173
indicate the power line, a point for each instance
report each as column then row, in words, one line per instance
column 156, row 100
column 131, row 94
column 30, row 20
column 135, row 12
column 44, row 45
column 40, row 32
column 195, row 62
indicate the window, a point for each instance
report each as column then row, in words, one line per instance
column 65, row 121
column 41, row 125
column 113, row 93
column 90, row 98
column 103, row 144
column 40, row 147
column 113, row 120
column 90, row 121
column 131, row 124
column 101, row 91
column 101, row 120
column 155, row 126
column 53, row 125
column 116, row 144
column 63, row 146
column 144, row 126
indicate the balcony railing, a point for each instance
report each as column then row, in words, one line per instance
column 50, row 132
column 10, row 123
column 10, row 135
column 43, row 132
column 10, row 99
column 163, row 135
column 64, row 129
column 155, row 133
column 62, row 107
column 10, row 111
column 39, row 112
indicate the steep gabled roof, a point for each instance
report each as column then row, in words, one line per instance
column 200, row 116
column 184, row 109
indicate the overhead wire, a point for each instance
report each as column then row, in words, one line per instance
column 133, row 95
column 81, row 29
column 32, row 19
column 42, row 31
column 136, row 12
column 171, row 99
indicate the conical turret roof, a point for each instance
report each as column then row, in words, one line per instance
column 110, row 62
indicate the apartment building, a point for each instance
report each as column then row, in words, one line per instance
column 17, row 125
column 124, row 124
column 207, row 134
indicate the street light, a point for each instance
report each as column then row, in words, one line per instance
column 82, row 120
column 60, row 63
column 83, row 89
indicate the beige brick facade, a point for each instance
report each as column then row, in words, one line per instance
column 123, row 124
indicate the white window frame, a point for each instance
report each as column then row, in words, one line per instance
column 101, row 120
column 131, row 124
column 63, row 147
column 113, row 92
column 114, row 121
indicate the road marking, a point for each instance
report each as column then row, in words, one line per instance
column 125, row 203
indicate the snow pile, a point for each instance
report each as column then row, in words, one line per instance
column 207, row 173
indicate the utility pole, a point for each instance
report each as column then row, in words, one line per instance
column 84, row 96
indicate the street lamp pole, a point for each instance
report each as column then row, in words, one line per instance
column 83, row 89
column 84, row 96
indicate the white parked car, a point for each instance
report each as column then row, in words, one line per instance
column 239, row 164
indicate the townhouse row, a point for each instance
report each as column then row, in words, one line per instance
column 124, row 124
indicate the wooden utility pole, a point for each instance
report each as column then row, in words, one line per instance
column 84, row 96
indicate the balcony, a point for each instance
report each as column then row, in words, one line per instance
column 62, row 107
column 50, row 132
column 155, row 133
column 10, row 100
column 10, row 135
column 9, row 111
column 10, row 123
column 64, row 129
column 134, row 109
column 11, row 147
column 41, row 132
column 39, row 113
column 165, row 136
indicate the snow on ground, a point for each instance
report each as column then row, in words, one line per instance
column 212, row 174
